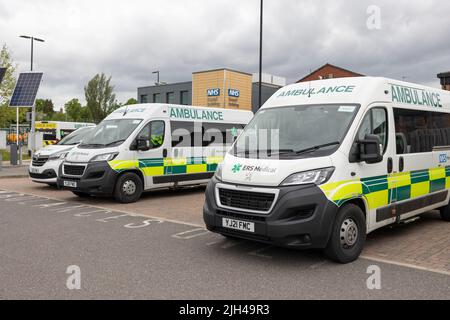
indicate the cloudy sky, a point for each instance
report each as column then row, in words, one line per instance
column 130, row 39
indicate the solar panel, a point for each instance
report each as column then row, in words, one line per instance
column 2, row 73
column 27, row 86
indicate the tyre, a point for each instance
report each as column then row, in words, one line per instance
column 80, row 194
column 348, row 235
column 445, row 212
column 128, row 188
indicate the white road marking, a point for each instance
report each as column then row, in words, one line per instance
column 229, row 243
column 406, row 265
column 112, row 217
column 67, row 209
column 48, row 205
column 19, row 199
column 215, row 242
column 88, row 213
column 144, row 223
column 189, row 234
column 134, row 214
column 11, row 195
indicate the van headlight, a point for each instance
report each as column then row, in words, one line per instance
column 58, row 156
column 104, row 157
column 318, row 176
column 218, row 173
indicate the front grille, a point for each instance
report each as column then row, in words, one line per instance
column 47, row 174
column 241, row 216
column 73, row 170
column 247, row 200
column 39, row 161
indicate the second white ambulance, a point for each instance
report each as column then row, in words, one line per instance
column 151, row 146
column 325, row 162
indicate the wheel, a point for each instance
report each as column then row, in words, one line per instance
column 445, row 212
column 128, row 188
column 81, row 194
column 348, row 235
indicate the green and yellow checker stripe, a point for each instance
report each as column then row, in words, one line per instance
column 168, row 166
column 379, row 191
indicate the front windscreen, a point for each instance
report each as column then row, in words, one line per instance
column 110, row 133
column 76, row 137
column 295, row 131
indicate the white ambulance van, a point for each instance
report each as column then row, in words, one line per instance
column 54, row 131
column 325, row 162
column 151, row 146
column 46, row 161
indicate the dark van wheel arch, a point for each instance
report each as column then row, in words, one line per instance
column 348, row 235
column 445, row 212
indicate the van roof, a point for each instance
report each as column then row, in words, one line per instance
column 360, row 90
column 180, row 113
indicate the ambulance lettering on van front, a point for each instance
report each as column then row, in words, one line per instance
column 312, row 91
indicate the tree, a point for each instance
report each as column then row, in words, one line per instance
column 131, row 101
column 7, row 114
column 58, row 116
column 100, row 97
column 44, row 109
column 76, row 112
column 73, row 110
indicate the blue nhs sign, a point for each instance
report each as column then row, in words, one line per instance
column 234, row 93
column 213, row 92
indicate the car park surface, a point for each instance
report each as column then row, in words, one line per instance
column 158, row 248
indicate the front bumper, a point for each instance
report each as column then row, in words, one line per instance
column 97, row 179
column 47, row 173
column 302, row 217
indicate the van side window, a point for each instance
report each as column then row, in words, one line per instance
column 419, row 131
column 154, row 131
column 208, row 133
column 375, row 122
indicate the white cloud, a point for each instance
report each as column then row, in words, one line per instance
column 130, row 39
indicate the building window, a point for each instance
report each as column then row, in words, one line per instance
column 156, row 98
column 184, row 97
column 170, row 97
column 144, row 98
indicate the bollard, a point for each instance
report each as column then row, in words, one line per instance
column 13, row 154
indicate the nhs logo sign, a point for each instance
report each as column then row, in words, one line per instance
column 213, row 92
column 234, row 93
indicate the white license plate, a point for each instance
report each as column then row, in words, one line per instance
column 238, row 225
column 34, row 170
column 70, row 184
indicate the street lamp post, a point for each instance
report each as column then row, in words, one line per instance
column 157, row 76
column 33, row 109
column 260, row 54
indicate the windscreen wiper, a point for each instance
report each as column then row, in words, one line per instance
column 114, row 142
column 320, row 146
column 92, row 145
column 268, row 152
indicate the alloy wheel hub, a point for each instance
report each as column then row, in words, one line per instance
column 348, row 233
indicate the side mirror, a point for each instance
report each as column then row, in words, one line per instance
column 370, row 149
column 142, row 144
